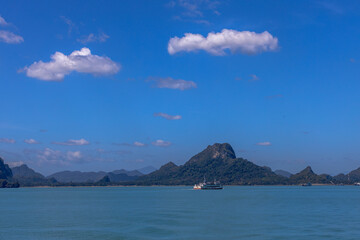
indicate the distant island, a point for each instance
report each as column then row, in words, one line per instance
column 216, row 161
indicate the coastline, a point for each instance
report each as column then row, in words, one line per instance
column 137, row 186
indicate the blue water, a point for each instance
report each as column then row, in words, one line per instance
column 318, row 212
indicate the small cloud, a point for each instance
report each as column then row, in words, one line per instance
column 161, row 143
column 3, row 22
column 167, row 116
column 139, row 144
column 134, row 144
column 31, row 141
column 47, row 156
column 264, row 144
column 9, row 37
column 74, row 156
column 173, row 83
column 244, row 42
column 7, row 140
column 79, row 61
column 275, row 96
column 101, row 37
column 72, row 142
column 253, row 78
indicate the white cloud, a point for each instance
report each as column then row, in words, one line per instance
column 173, row 83
column 134, row 144
column 101, row 37
column 244, row 42
column 3, row 22
column 7, row 140
column 9, row 37
column 161, row 143
column 55, row 157
column 167, row 116
column 31, row 141
column 264, row 144
column 139, row 144
column 49, row 155
column 73, row 156
column 80, row 61
column 72, row 142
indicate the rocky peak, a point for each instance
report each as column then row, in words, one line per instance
column 218, row 151
column 307, row 170
column 221, row 150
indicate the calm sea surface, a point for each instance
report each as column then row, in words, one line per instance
column 318, row 212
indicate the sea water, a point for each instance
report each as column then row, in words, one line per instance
column 254, row 212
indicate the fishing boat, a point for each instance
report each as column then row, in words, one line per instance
column 208, row 185
column 306, row 184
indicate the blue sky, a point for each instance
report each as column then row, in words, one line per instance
column 139, row 83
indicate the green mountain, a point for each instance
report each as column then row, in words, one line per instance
column 215, row 162
column 28, row 177
column 308, row 176
column 6, row 180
